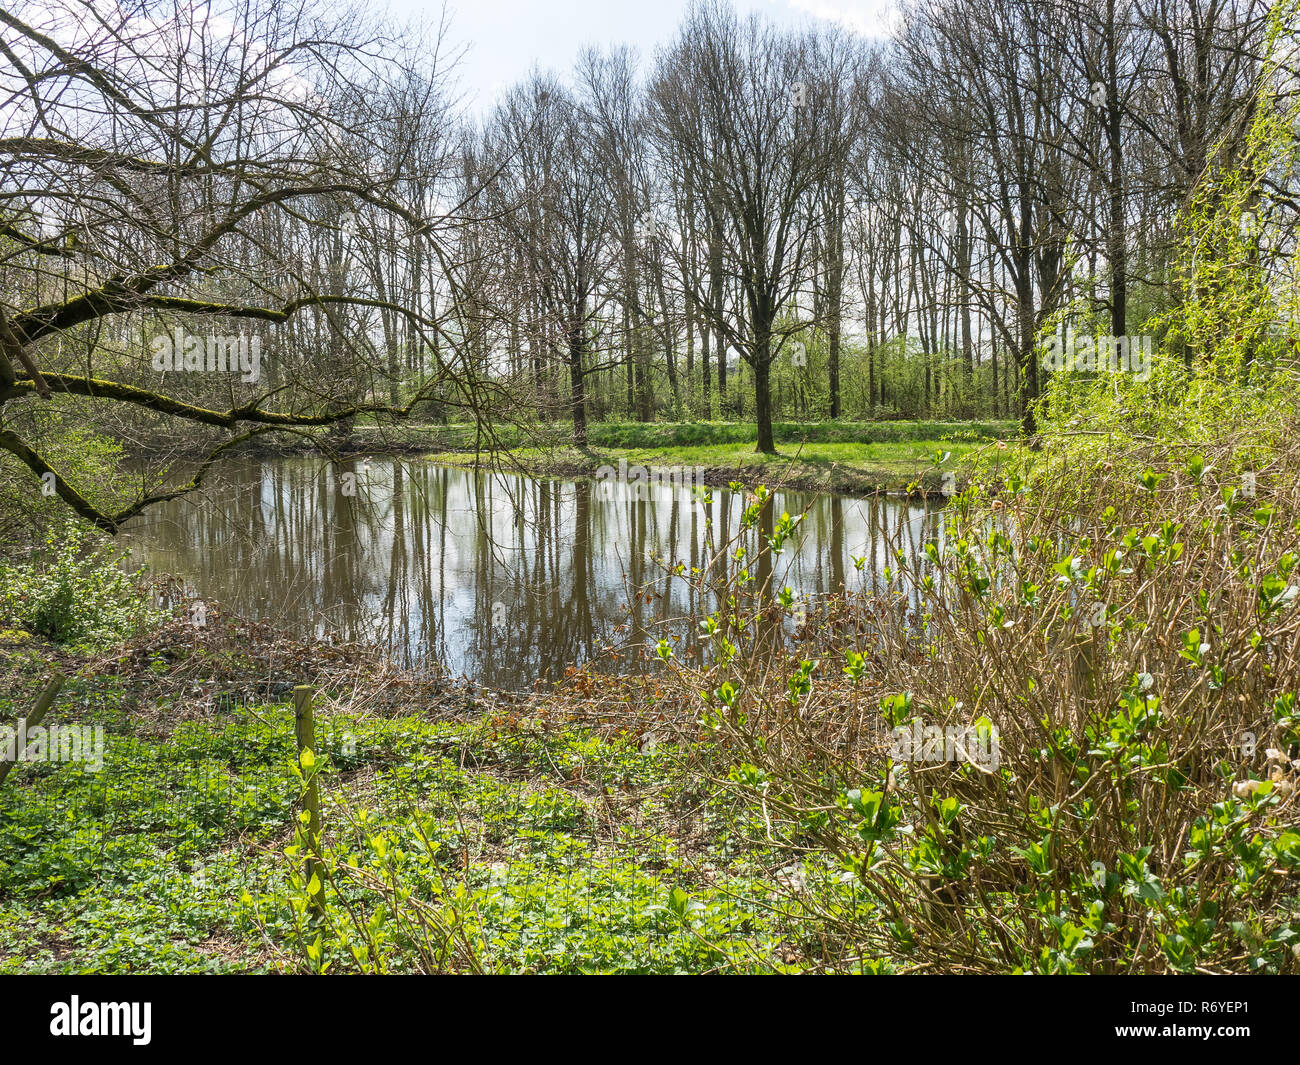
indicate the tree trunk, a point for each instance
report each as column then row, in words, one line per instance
column 577, row 390
column 834, row 291
column 763, row 401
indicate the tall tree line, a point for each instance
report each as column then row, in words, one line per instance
column 872, row 228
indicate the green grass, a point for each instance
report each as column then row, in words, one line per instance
column 578, row 851
column 837, row 456
column 681, row 434
column 834, row 455
column 699, row 434
column 840, row 467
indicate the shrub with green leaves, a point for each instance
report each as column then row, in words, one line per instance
column 72, row 592
column 1120, row 603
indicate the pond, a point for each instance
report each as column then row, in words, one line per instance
column 499, row 577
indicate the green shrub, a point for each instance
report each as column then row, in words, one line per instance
column 72, row 593
column 1120, row 605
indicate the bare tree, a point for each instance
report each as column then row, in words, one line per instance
column 556, row 212
column 169, row 176
column 725, row 98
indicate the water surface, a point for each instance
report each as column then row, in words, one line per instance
column 501, row 578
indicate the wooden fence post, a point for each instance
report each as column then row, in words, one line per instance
column 305, row 732
column 43, row 705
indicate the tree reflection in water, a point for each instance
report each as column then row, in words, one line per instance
column 500, row 577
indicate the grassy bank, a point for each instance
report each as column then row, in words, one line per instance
column 556, row 840
column 641, row 435
column 853, row 457
column 913, row 467
column 906, row 457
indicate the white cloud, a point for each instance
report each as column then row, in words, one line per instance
column 872, row 18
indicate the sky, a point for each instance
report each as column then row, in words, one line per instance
column 507, row 37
